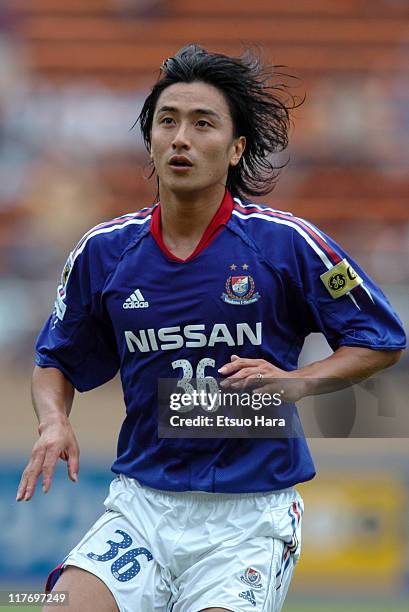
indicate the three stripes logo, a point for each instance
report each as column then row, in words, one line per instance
column 135, row 300
column 248, row 596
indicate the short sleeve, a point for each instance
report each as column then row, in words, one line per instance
column 77, row 338
column 341, row 300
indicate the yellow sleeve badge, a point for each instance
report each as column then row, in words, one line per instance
column 341, row 279
column 67, row 270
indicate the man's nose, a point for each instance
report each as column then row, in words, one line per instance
column 181, row 139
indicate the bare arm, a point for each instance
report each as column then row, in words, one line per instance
column 52, row 396
column 347, row 365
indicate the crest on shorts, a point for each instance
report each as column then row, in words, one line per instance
column 240, row 288
column 252, row 577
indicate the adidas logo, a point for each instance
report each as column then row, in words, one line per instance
column 135, row 300
column 249, row 596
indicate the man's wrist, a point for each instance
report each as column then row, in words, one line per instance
column 52, row 421
column 304, row 387
column 300, row 385
column 308, row 386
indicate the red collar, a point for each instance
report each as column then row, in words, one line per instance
column 215, row 226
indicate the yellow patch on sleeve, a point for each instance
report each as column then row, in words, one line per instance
column 340, row 279
column 67, row 270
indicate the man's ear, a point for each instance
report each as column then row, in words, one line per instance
column 239, row 145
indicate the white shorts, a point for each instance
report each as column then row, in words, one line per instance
column 160, row 551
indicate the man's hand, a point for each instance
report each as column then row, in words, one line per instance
column 262, row 377
column 57, row 440
column 346, row 366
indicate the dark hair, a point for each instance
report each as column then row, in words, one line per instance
column 256, row 104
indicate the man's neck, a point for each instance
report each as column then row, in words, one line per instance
column 184, row 219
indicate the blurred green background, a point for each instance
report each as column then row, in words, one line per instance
column 72, row 79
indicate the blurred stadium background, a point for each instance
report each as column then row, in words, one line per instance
column 72, row 78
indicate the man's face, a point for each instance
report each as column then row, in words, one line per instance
column 192, row 142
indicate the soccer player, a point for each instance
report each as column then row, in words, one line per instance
column 203, row 283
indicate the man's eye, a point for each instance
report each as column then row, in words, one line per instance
column 203, row 123
column 167, row 120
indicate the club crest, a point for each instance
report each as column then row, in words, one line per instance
column 240, row 289
column 240, row 285
column 252, row 577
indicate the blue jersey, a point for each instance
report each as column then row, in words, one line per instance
column 258, row 283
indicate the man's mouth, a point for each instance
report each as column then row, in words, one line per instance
column 179, row 161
